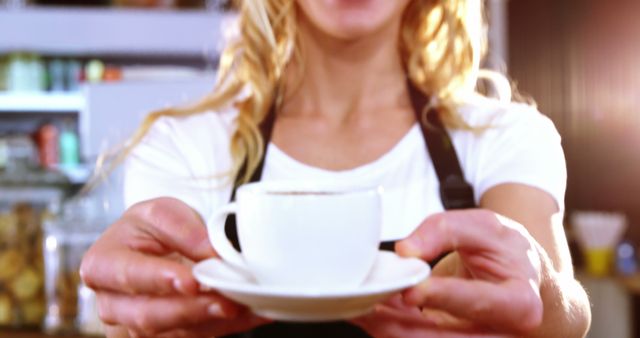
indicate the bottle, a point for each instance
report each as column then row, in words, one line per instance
column 37, row 73
column 56, row 75
column 48, row 145
column 626, row 259
column 18, row 73
column 69, row 147
column 94, row 71
column 4, row 65
column 73, row 75
column 4, row 152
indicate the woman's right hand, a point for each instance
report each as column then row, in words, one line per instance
column 140, row 271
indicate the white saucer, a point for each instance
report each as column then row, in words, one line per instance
column 390, row 274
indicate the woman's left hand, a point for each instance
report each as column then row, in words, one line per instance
column 489, row 286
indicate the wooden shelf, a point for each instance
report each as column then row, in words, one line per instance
column 115, row 32
column 631, row 283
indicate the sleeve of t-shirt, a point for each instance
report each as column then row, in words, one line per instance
column 158, row 168
column 522, row 146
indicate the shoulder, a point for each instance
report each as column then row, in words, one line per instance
column 495, row 116
column 192, row 128
column 181, row 157
column 496, row 123
column 188, row 137
column 512, row 143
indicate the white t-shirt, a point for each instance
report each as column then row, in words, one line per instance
column 189, row 159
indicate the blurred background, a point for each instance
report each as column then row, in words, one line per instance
column 77, row 76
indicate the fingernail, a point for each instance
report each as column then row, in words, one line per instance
column 410, row 247
column 424, row 286
column 204, row 288
column 378, row 308
column 178, row 286
column 215, row 310
column 416, row 295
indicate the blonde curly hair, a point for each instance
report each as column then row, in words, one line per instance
column 441, row 45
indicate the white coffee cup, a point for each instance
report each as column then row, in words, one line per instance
column 302, row 236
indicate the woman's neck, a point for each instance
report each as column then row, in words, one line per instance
column 341, row 79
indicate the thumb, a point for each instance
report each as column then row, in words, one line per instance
column 472, row 229
column 175, row 226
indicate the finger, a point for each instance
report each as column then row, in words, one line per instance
column 434, row 317
column 397, row 302
column 111, row 331
column 149, row 316
column 131, row 272
column 450, row 266
column 216, row 328
column 447, row 321
column 176, row 225
column 513, row 305
column 383, row 315
column 389, row 322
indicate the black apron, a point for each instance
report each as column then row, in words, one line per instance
column 455, row 193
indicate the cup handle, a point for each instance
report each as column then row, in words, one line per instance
column 219, row 240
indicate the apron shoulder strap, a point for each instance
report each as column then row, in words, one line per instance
column 266, row 128
column 455, row 191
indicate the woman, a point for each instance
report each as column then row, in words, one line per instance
column 338, row 75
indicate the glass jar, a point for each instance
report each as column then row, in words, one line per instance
column 21, row 266
column 66, row 239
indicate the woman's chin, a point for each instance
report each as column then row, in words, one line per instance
column 353, row 31
column 351, row 19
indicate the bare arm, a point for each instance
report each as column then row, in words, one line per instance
column 566, row 306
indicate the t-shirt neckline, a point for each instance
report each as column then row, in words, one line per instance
column 383, row 162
